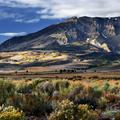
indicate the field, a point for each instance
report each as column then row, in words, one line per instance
column 60, row 96
column 44, row 61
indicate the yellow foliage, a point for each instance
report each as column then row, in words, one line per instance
column 10, row 113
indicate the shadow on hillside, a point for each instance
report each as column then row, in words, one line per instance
column 47, row 63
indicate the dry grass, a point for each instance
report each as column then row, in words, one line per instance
column 29, row 57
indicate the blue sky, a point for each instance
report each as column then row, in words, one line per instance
column 20, row 17
column 15, row 21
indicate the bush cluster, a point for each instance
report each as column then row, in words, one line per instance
column 10, row 113
column 61, row 99
column 67, row 110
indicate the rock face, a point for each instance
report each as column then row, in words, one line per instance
column 80, row 34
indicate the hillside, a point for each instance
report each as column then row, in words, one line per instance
column 97, row 33
column 77, row 43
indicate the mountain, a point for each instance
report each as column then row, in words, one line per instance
column 97, row 33
column 83, row 42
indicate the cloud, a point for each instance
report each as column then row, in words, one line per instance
column 11, row 34
column 52, row 9
column 22, row 3
column 4, row 15
column 35, row 20
column 9, row 14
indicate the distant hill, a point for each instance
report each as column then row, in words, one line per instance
column 92, row 42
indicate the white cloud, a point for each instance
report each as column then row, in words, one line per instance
column 7, row 14
column 35, row 20
column 68, row 8
column 4, row 15
column 11, row 34
column 22, row 3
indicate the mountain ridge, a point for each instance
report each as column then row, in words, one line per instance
column 103, row 33
column 83, row 43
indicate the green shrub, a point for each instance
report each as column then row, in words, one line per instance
column 95, row 92
column 61, row 84
column 89, row 96
column 106, row 86
column 111, row 114
column 35, row 82
column 24, row 88
column 113, row 89
column 75, row 92
column 102, row 103
column 6, row 90
column 45, row 87
column 10, row 113
column 33, row 104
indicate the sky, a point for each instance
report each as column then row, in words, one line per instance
column 21, row 17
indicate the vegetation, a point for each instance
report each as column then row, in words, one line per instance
column 79, row 98
column 67, row 110
column 10, row 113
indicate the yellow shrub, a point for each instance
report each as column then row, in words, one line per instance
column 10, row 113
column 66, row 110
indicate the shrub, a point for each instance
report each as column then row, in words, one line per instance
column 66, row 110
column 102, row 103
column 111, row 97
column 75, row 92
column 34, row 105
column 46, row 87
column 35, row 82
column 31, row 104
column 95, row 92
column 6, row 90
column 61, row 84
column 106, row 86
column 24, row 88
column 90, row 96
column 113, row 89
column 117, row 116
column 14, row 100
column 56, row 94
column 10, row 113
column 85, row 113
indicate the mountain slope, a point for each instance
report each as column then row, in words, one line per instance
column 83, row 43
column 98, row 34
